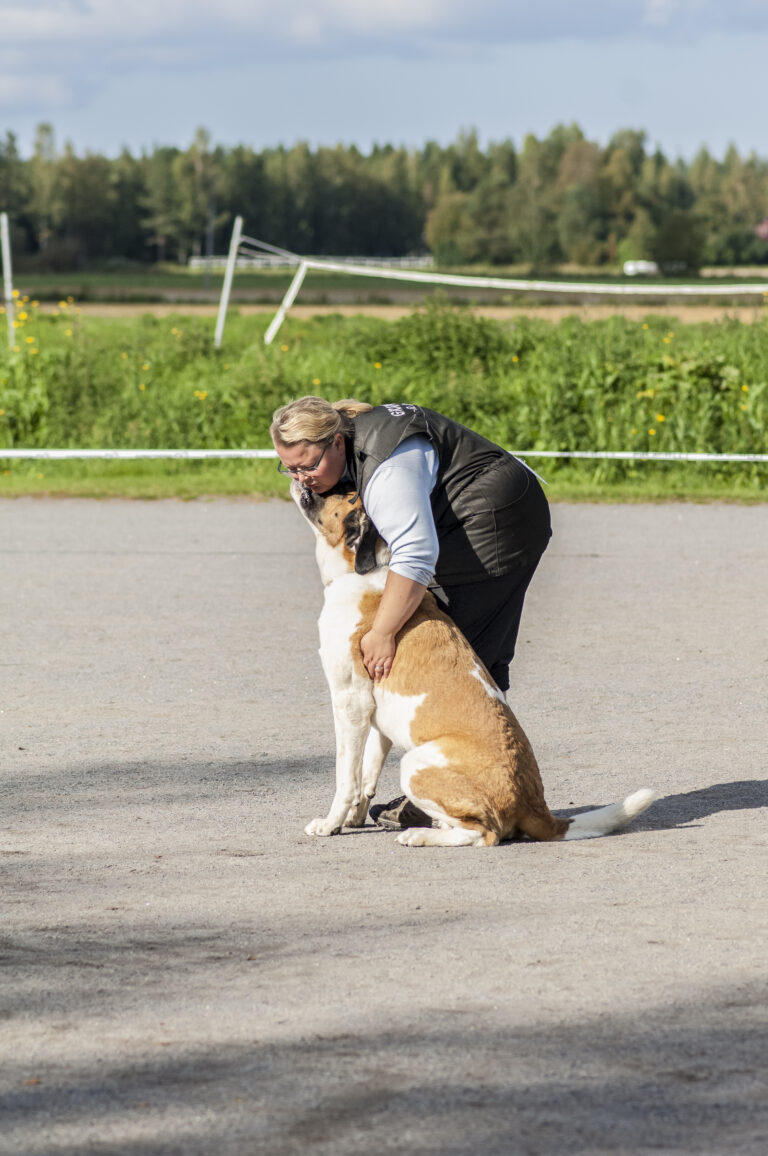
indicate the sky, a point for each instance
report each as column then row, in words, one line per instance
column 109, row 74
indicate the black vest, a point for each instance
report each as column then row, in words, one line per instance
column 490, row 512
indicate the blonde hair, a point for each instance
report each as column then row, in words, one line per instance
column 313, row 419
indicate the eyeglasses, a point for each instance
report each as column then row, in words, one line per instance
column 305, row 471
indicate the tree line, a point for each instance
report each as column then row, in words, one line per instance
column 559, row 200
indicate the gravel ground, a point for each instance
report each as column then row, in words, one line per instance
column 185, row 972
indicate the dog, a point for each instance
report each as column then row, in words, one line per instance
column 467, row 764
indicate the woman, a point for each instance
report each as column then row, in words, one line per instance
column 460, row 515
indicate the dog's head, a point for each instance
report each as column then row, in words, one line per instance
column 346, row 537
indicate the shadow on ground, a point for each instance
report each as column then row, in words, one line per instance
column 464, row 1085
column 689, row 807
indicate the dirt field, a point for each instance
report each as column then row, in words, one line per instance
column 186, row 974
column 690, row 313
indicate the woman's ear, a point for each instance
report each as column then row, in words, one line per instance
column 361, row 537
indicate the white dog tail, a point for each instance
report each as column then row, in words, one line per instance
column 593, row 824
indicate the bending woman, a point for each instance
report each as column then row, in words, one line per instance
column 460, row 515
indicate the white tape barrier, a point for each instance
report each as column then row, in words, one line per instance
column 636, row 290
column 132, row 455
column 244, row 244
column 197, row 455
column 571, row 287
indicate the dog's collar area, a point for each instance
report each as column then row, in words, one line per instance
column 344, row 486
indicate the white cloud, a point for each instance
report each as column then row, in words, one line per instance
column 658, row 13
column 25, row 90
column 70, row 44
column 266, row 23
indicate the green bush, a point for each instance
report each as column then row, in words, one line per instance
column 527, row 384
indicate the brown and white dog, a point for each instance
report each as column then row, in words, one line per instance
column 468, row 764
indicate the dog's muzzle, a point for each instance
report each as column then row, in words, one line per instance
column 306, row 498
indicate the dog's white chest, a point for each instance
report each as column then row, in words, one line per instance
column 394, row 715
column 339, row 621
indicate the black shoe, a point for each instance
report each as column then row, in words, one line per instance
column 398, row 814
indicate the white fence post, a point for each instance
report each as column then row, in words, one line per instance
column 5, row 247
column 287, row 302
column 234, row 245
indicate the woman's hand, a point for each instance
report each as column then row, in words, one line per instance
column 378, row 651
column 400, row 598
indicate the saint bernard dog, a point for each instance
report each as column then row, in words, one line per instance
column 468, row 765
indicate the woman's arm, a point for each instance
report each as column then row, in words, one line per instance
column 397, row 500
column 400, row 598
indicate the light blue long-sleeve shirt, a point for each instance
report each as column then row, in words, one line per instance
column 397, row 501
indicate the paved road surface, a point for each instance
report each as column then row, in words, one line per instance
column 186, row 972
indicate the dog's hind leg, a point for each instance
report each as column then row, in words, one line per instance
column 377, row 747
column 433, row 787
column 352, row 711
column 447, row 837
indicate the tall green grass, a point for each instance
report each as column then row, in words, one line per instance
column 528, row 384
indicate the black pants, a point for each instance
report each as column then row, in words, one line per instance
column 488, row 614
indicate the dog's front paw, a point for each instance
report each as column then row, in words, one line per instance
column 356, row 816
column 321, row 827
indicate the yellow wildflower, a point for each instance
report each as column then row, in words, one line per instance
column 201, row 394
column 652, row 432
column 67, row 332
column 660, row 417
column 15, row 293
column 142, row 386
column 284, row 348
column 23, row 316
column 316, row 381
column 30, row 341
column 377, row 365
column 745, row 389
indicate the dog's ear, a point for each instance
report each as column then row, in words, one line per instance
column 361, row 536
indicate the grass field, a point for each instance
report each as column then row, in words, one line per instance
column 156, row 382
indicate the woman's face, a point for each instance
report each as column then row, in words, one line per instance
column 317, row 465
